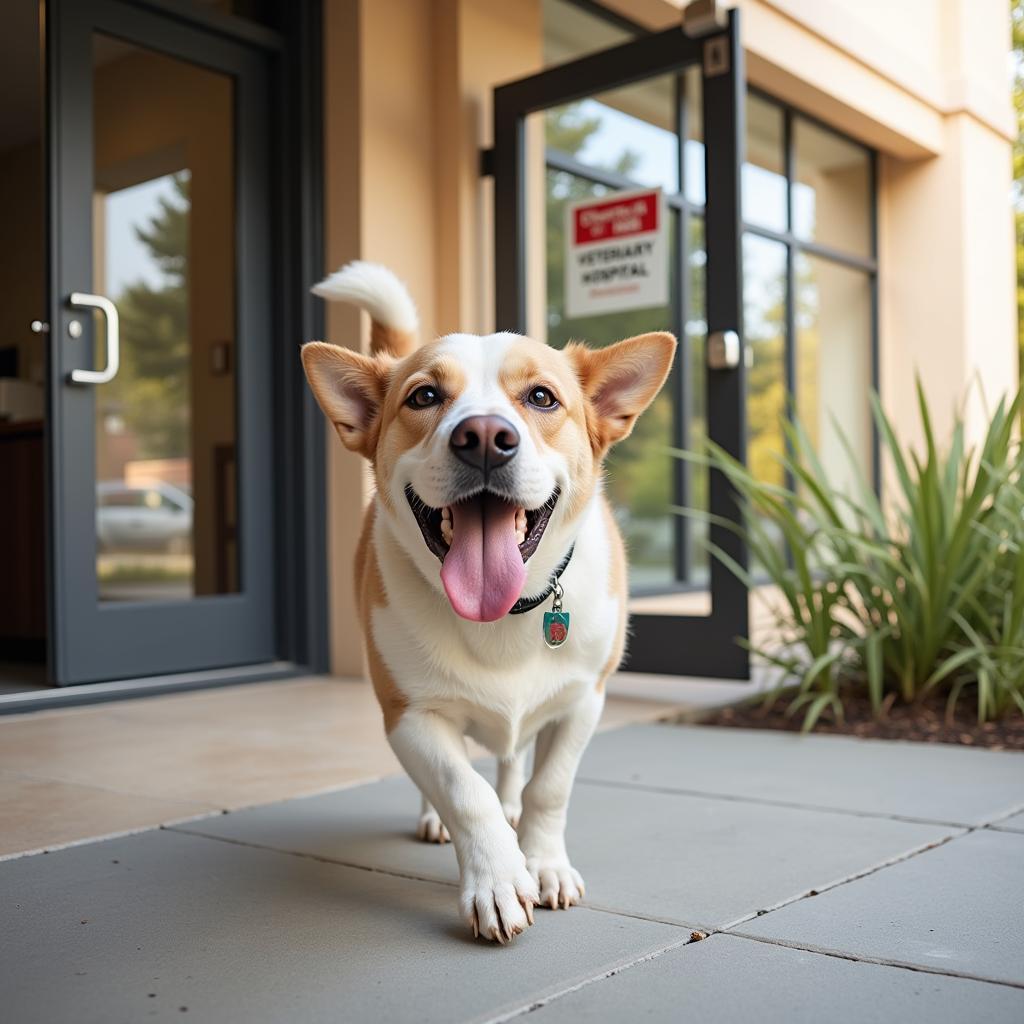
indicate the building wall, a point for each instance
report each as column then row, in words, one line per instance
column 407, row 106
column 408, row 92
column 925, row 82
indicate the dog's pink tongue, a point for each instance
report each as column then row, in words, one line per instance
column 483, row 573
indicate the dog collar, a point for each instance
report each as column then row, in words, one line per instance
column 527, row 604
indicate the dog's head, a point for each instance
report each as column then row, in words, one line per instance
column 486, row 449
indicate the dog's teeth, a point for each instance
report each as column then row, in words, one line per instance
column 520, row 518
column 446, row 514
column 446, row 531
column 520, row 536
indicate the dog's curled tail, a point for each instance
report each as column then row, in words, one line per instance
column 394, row 323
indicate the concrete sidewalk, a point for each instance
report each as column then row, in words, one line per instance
column 838, row 879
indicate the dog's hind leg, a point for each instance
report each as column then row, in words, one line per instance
column 511, row 776
column 430, row 828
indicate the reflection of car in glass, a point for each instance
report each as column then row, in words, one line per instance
column 154, row 516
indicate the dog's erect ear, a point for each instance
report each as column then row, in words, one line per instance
column 621, row 381
column 350, row 389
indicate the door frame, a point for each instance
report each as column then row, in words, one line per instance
column 669, row 644
column 296, row 235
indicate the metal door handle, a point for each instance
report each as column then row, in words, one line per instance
column 109, row 372
column 723, row 350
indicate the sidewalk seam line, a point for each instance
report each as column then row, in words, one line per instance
column 305, row 855
column 857, row 958
column 391, row 872
column 891, row 862
column 792, row 805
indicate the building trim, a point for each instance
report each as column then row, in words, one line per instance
column 871, row 49
column 121, row 689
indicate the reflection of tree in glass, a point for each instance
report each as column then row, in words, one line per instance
column 151, row 391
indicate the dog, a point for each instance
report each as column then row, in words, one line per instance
column 490, row 573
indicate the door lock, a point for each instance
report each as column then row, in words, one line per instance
column 75, row 328
column 723, row 350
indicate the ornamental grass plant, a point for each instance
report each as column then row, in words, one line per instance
column 900, row 596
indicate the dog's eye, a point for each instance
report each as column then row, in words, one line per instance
column 424, row 397
column 541, row 398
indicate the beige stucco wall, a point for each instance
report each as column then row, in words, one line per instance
column 408, row 89
column 407, row 108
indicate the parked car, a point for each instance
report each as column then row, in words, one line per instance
column 155, row 516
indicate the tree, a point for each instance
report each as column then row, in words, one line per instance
column 151, row 393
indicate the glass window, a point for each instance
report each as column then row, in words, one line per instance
column 693, row 151
column 833, row 345
column 764, row 318
column 628, row 131
column 163, row 219
column 764, row 173
column 695, row 391
column 831, row 190
column 821, row 194
column 640, row 471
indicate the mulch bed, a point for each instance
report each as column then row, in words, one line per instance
column 924, row 722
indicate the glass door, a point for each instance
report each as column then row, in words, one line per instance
column 161, row 444
column 592, row 138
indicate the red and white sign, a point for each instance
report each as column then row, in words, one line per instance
column 616, row 253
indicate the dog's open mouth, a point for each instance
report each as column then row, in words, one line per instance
column 483, row 542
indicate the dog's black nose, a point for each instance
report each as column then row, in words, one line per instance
column 484, row 442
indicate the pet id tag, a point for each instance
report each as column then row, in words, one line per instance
column 556, row 622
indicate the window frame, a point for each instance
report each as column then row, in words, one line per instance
column 796, row 246
column 680, row 297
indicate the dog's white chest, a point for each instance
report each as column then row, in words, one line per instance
column 499, row 680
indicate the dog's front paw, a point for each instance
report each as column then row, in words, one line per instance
column 431, row 829
column 559, row 883
column 497, row 903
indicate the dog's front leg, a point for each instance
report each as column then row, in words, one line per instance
column 497, row 893
column 510, row 786
column 560, row 746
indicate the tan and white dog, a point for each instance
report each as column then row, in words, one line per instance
column 487, row 454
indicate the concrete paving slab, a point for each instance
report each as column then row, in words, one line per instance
column 727, row 979
column 956, row 909
column 924, row 781
column 1015, row 823
column 705, row 863
column 165, row 924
